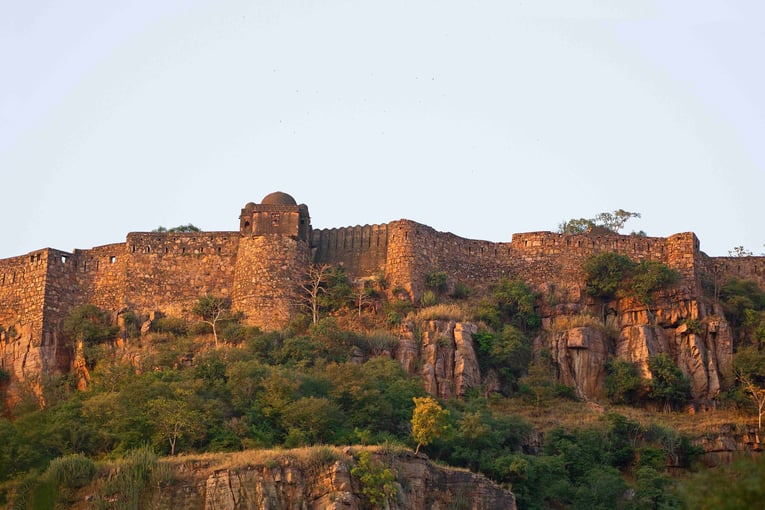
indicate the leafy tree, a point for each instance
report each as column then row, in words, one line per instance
column 175, row 418
column 750, row 372
column 623, row 382
column 613, row 221
column 508, row 352
column 612, row 275
column 429, row 421
column 605, row 272
column 668, row 384
column 377, row 481
column 89, row 324
column 647, row 278
column 511, row 302
column 314, row 420
column 211, row 310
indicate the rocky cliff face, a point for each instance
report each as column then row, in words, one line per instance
column 248, row 481
column 581, row 337
column 27, row 360
column 443, row 354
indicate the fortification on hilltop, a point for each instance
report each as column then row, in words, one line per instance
column 259, row 265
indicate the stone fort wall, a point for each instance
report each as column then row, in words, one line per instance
column 170, row 271
column 406, row 251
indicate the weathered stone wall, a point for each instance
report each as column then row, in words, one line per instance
column 101, row 276
column 22, row 298
column 267, row 273
column 170, row 271
column 361, row 250
column 743, row 268
column 22, row 288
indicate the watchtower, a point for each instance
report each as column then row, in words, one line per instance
column 277, row 213
column 274, row 253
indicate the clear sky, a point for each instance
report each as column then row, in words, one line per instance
column 481, row 118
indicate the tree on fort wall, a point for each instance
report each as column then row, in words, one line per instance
column 612, row 221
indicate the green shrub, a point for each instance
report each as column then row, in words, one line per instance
column 89, row 324
column 128, row 483
column 668, row 384
column 623, row 382
column 172, row 325
column 613, row 275
column 429, row 298
column 604, row 274
column 436, row 281
column 377, row 481
column 511, row 302
column 461, row 291
column 71, row 471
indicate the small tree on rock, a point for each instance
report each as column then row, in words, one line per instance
column 429, row 421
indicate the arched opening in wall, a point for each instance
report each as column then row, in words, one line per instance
column 167, row 250
column 2, row 280
column 219, row 250
column 246, row 224
column 84, row 265
column 406, row 235
column 183, row 250
column 112, row 259
column 147, row 249
column 132, row 249
column 63, row 259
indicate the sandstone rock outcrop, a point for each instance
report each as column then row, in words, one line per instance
column 697, row 339
column 246, row 480
column 445, row 354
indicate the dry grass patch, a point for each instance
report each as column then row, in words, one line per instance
column 443, row 311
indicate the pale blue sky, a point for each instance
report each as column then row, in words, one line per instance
column 482, row 118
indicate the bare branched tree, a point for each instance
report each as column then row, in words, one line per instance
column 312, row 287
column 756, row 393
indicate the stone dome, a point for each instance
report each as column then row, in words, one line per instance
column 278, row 198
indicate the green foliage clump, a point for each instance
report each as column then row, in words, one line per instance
column 623, row 382
column 180, row 228
column 611, row 275
column 511, row 302
column 128, row 484
column 89, row 324
column 508, row 352
column 171, row 325
column 436, row 281
column 377, row 481
column 744, row 306
column 668, row 385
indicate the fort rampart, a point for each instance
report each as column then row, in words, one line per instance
column 257, row 265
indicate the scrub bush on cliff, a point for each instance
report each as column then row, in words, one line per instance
column 88, row 324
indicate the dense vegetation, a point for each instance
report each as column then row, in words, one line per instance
column 212, row 384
